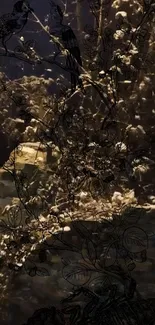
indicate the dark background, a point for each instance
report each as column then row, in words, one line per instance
column 16, row 69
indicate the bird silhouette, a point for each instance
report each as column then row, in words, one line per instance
column 69, row 41
column 14, row 22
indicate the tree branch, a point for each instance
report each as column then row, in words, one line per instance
column 40, row 60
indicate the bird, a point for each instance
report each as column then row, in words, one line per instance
column 13, row 23
column 69, row 41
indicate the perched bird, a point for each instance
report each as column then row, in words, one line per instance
column 14, row 22
column 68, row 39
